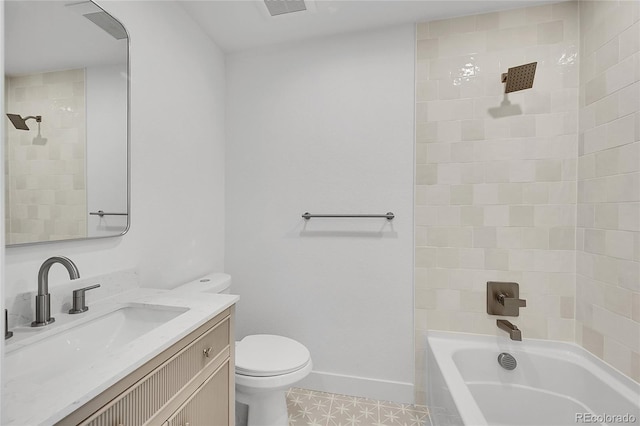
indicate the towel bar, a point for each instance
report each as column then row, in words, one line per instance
column 101, row 213
column 388, row 216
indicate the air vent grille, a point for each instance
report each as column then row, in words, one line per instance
column 280, row 7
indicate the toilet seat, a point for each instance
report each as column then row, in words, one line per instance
column 266, row 355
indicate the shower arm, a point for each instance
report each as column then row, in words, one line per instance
column 38, row 118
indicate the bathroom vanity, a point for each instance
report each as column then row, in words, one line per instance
column 187, row 383
column 177, row 371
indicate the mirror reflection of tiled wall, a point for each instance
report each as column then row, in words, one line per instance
column 46, row 183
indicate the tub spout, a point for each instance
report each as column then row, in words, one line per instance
column 514, row 332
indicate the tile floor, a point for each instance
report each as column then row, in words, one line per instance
column 314, row 408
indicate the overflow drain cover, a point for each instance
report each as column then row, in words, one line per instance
column 507, row 361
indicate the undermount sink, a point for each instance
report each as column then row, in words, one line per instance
column 86, row 343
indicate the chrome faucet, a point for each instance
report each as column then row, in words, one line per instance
column 514, row 332
column 43, row 299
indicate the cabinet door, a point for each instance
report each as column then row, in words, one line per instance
column 208, row 405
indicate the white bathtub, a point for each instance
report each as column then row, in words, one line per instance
column 554, row 383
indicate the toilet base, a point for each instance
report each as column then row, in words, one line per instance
column 266, row 396
column 265, row 408
column 242, row 413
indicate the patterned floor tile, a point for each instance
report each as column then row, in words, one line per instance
column 314, row 408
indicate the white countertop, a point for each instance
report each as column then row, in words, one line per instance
column 32, row 402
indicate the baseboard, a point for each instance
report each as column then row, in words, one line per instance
column 359, row 386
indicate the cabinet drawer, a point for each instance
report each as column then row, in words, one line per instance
column 209, row 404
column 138, row 404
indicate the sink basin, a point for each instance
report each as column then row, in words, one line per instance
column 84, row 344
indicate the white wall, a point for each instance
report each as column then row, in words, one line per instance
column 326, row 126
column 177, row 160
column 106, row 99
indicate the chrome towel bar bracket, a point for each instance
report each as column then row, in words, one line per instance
column 388, row 216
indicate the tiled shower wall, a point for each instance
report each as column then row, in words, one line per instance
column 608, row 252
column 45, row 183
column 496, row 174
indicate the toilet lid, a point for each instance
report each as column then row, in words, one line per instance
column 262, row 355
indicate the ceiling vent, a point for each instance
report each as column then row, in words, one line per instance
column 280, row 7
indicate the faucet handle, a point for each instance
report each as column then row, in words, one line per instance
column 511, row 302
column 7, row 334
column 79, row 301
column 503, row 298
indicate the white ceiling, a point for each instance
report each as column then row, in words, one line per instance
column 243, row 24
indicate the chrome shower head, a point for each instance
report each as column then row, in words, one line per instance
column 520, row 77
column 21, row 123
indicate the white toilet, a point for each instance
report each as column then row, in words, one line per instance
column 266, row 364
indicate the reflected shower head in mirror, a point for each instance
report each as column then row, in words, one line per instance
column 520, row 77
column 21, row 123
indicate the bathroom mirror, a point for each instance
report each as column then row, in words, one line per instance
column 66, row 123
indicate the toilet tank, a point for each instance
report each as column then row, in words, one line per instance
column 211, row 283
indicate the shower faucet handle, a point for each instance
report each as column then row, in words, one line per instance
column 503, row 298
column 511, row 302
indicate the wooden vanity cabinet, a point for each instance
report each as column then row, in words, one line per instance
column 189, row 384
column 208, row 405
